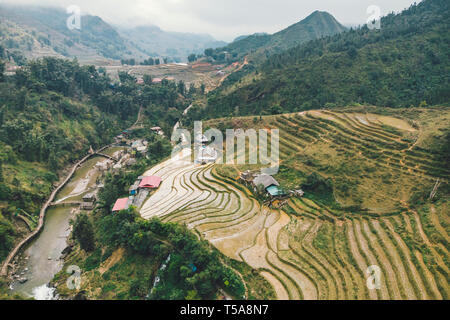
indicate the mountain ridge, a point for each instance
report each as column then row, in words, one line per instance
column 42, row 31
column 403, row 64
column 260, row 45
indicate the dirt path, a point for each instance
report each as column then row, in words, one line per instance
column 238, row 69
column 111, row 261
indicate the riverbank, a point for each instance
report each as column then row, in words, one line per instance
column 35, row 267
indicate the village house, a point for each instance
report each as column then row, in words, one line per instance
column 271, row 186
column 89, row 201
column 134, row 189
column 131, row 162
column 121, row 204
column 151, row 182
column 247, row 176
column 157, row 130
column 140, row 146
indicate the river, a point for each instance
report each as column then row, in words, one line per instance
column 40, row 261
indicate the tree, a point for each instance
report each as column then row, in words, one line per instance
column 16, row 182
column 192, row 89
column 1, row 172
column 202, row 88
column 181, row 87
column 157, row 62
column 192, row 57
column 147, row 79
column 2, row 70
column 276, row 109
column 209, row 52
column 53, row 161
column 83, row 232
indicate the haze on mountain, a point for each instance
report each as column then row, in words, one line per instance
column 42, row 31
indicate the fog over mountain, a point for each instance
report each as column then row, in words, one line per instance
column 225, row 20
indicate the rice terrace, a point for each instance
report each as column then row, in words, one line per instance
column 309, row 248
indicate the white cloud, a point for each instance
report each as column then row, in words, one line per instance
column 224, row 19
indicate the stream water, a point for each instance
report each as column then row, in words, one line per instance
column 40, row 261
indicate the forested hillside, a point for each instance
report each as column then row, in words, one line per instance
column 404, row 64
column 37, row 32
column 51, row 112
column 260, row 46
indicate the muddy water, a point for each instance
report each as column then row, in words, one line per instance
column 41, row 260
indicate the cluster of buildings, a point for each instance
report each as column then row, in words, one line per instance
column 157, row 130
column 138, row 192
column 140, row 80
column 272, row 188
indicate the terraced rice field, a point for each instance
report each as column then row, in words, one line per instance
column 307, row 250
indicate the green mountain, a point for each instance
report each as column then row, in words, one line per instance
column 260, row 45
column 405, row 63
column 36, row 32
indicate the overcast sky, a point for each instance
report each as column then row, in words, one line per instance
column 224, row 19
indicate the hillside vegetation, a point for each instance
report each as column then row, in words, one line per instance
column 404, row 64
column 260, row 46
column 51, row 112
column 36, row 32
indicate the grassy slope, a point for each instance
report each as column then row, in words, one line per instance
column 354, row 165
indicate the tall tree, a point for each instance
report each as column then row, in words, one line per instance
column 192, row 57
column 1, row 172
column 2, row 71
column 181, row 87
column 83, row 231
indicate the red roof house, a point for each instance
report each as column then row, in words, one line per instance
column 152, row 182
column 121, row 204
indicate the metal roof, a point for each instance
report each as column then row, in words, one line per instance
column 265, row 180
column 275, row 191
column 121, row 204
column 152, row 182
